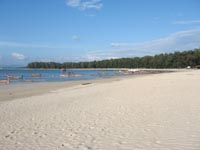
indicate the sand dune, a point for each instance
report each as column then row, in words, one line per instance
column 151, row 112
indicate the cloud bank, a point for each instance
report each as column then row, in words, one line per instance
column 182, row 40
column 179, row 41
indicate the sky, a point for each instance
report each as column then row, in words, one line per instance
column 87, row 30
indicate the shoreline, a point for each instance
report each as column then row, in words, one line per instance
column 23, row 90
column 165, row 69
column 26, row 89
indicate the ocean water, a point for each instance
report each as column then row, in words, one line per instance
column 55, row 75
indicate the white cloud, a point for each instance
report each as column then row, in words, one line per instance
column 73, row 3
column 119, row 44
column 183, row 40
column 93, row 4
column 18, row 56
column 186, row 22
column 83, row 5
column 76, row 38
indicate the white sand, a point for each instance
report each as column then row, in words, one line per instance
column 155, row 112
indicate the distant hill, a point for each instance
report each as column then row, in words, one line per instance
column 167, row 60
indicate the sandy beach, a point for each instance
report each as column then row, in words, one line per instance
column 151, row 112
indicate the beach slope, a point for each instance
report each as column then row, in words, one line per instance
column 154, row 112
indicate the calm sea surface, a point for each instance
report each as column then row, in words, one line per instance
column 56, row 75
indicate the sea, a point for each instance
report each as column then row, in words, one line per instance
column 55, row 75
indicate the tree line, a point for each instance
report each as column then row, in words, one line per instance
column 167, row 60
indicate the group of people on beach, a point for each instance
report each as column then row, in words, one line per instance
column 13, row 77
column 10, row 77
column 7, row 81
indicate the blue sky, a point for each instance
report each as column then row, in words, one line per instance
column 85, row 30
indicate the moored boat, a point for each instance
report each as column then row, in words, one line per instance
column 68, row 74
column 35, row 75
column 14, row 77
